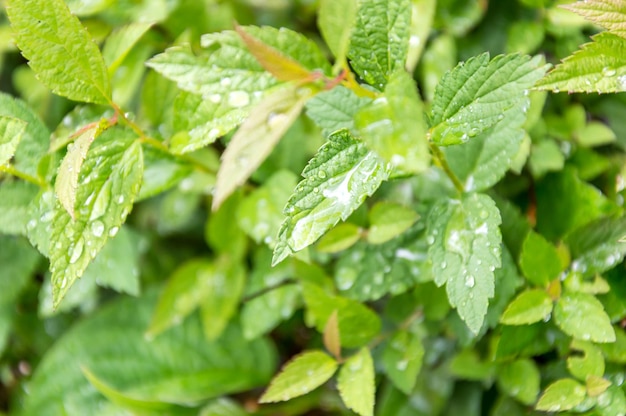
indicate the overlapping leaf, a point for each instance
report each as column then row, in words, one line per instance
column 465, row 252
column 380, row 40
column 610, row 14
column 402, row 359
column 336, row 20
column 11, row 131
column 108, row 184
column 356, row 383
column 582, row 316
column 474, row 96
column 599, row 66
column 60, row 50
column 120, row 42
column 335, row 109
column 337, row 180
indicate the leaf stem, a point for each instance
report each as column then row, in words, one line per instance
column 10, row 169
column 440, row 159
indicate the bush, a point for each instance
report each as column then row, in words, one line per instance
column 401, row 233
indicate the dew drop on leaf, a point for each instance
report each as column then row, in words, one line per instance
column 470, row 281
column 97, row 228
column 238, row 99
column 608, row 71
column 113, row 231
column 77, row 251
column 215, row 98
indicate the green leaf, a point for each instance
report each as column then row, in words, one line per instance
column 335, row 109
column 530, row 306
column 612, row 401
column 475, row 95
column 393, row 127
column 223, row 407
column 161, row 172
column 468, row 364
column 261, row 212
column 221, row 296
column 610, row 14
column 599, row 66
column 222, row 233
column 357, row 323
column 108, row 183
column 15, row 197
column 539, row 260
column 422, row 15
column 263, row 313
column 256, row 138
column 60, row 50
column 591, row 363
column 482, row 161
column 199, row 122
column 35, row 138
column 337, row 180
column 582, row 316
column 465, row 252
column 336, row 20
column 546, row 156
column 598, row 246
column 380, row 39
column 340, row 238
column 66, row 183
column 595, row 133
column 402, row 358
column 388, row 220
column 563, row 394
column 120, row 42
column 11, row 131
column 356, row 383
column 302, row 374
column 179, row 367
column 520, row 379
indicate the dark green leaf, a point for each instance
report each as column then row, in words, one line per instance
column 402, row 359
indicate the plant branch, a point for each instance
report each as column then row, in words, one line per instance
column 10, row 169
column 440, row 159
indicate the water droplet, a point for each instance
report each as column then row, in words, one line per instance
column 77, row 251
column 469, row 281
column 97, row 228
column 215, row 98
column 63, row 282
column 31, row 224
column 402, row 365
column 276, row 119
column 120, row 199
column 238, row 99
column 444, row 265
column 225, row 82
column 608, row 71
column 321, row 174
column 345, row 278
column 47, row 216
column 113, row 231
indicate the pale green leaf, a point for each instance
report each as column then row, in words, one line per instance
column 263, row 313
column 520, row 379
column 388, row 220
column 108, row 184
column 482, row 161
column 595, row 133
column 356, row 383
column 582, row 316
column 261, row 212
column 563, row 394
column 394, row 128
column 15, row 196
column 222, row 233
column 299, row 376
column 422, row 15
column 599, row 66
column 380, row 39
column 598, row 246
column 475, row 95
column 60, row 50
column 41, row 211
column 199, row 122
column 11, row 131
column 610, row 14
column 337, row 181
column 161, row 172
column 590, row 363
column 223, row 407
column 341, row 237
column 546, row 156
column 35, row 138
column 331, row 335
column 221, row 295
column 402, row 359
column 469, row 365
column 539, row 260
column 530, row 306
column 256, row 138
column 336, row 20
column 465, row 253
column 335, row 109
column 179, row 367
column 88, row 7
column 120, row 42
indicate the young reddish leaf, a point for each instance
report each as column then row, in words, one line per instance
column 332, row 340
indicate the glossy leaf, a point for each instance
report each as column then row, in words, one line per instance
column 299, row 376
column 402, row 359
column 563, row 394
column 157, row 373
column 610, row 14
column 389, row 220
column 256, row 138
column 60, row 50
column 473, row 96
column 380, row 40
column 422, row 15
column 465, row 252
column 582, row 316
column 120, row 42
column 341, row 237
column 528, row 307
column 520, row 379
column 335, row 109
column 336, row 20
column 599, row 66
column 108, row 184
column 392, row 126
column 337, row 180
column 539, row 260
column 356, row 383
column 591, row 363
column 11, row 131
